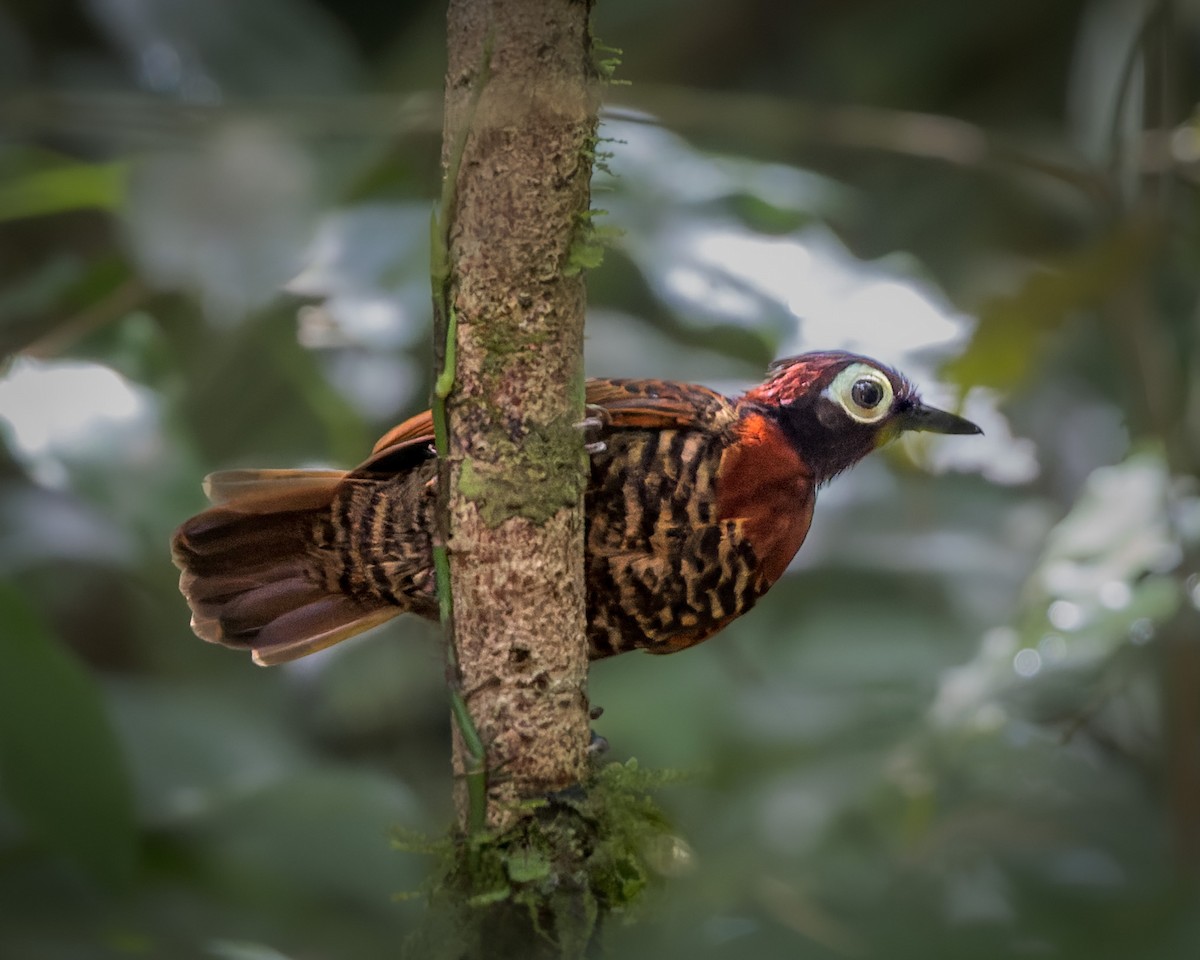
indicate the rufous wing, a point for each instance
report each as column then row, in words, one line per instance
column 659, row 404
column 415, row 429
column 627, row 404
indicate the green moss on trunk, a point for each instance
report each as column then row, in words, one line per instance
column 541, row 888
column 532, row 478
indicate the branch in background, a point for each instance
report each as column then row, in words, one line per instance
column 141, row 121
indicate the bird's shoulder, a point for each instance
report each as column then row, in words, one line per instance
column 626, row 404
column 660, row 404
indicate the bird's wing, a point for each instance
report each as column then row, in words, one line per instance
column 628, row 404
column 419, row 427
column 659, row 404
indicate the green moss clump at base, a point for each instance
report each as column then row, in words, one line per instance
column 543, row 888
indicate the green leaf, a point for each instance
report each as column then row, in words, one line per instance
column 70, row 186
column 61, row 767
column 1013, row 327
column 492, row 896
column 526, row 866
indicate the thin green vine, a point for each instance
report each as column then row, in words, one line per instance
column 445, row 340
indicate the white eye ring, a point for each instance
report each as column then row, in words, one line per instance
column 863, row 392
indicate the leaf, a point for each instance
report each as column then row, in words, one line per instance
column 60, row 763
column 1012, row 327
column 62, row 187
column 490, row 897
column 526, row 866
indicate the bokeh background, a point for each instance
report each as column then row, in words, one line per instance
column 966, row 724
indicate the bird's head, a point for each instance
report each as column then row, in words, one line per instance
column 837, row 407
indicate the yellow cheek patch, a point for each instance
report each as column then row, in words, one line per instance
column 887, row 432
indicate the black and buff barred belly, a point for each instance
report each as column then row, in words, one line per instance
column 663, row 570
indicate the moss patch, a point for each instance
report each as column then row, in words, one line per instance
column 535, row 478
column 605, row 61
column 501, row 341
column 588, row 242
column 542, row 888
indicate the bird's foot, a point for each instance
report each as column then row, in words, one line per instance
column 598, row 744
column 596, row 420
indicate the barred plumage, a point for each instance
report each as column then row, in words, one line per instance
column 659, row 563
column 693, row 510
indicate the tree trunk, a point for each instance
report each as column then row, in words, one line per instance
column 521, row 89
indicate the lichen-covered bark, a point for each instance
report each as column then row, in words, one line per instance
column 517, row 463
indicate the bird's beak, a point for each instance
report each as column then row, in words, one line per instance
column 933, row 420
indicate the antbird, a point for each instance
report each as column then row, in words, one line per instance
column 694, row 509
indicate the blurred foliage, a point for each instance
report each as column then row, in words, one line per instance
column 966, row 724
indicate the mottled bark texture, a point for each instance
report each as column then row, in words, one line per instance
column 517, row 462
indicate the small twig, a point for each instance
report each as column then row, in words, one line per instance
column 117, row 304
column 796, row 123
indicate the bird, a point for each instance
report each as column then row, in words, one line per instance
column 695, row 506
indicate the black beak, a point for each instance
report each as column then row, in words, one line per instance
column 933, row 420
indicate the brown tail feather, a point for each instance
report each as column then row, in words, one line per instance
column 246, row 614
column 220, row 539
column 250, row 575
column 217, row 587
column 316, row 626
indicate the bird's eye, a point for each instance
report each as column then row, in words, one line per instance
column 863, row 392
column 868, row 394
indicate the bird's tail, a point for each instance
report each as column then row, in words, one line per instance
column 252, row 571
